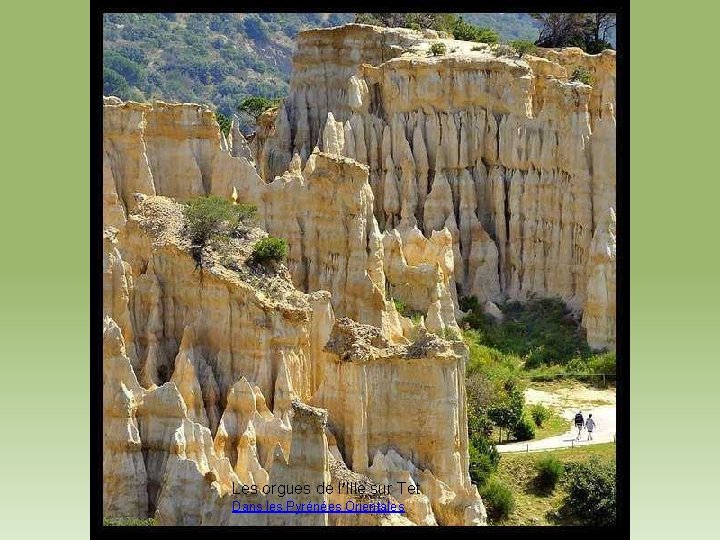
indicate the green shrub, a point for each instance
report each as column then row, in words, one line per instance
column 503, row 49
column 206, row 221
column 578, row 366
column 245, row 213
column 549, row 472
column 523, row 47
column 405, row 311
column 524, row 430
column 450, row 334
column 438, row 49
column 506, row 411
column 224, row 122
column 210, row 221
column 270, row 249
column 463, row 30
column 477, row 48
column 482, row 464
column 539, row 414
column 498, row 499
column 591, row 494
column 128, row 522
column 603, row 363
column 595, row 47
column 540, row 330
column 256, row 105
column 583, row 75
column 486, row 35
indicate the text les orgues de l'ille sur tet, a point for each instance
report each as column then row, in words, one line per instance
column 293, row 498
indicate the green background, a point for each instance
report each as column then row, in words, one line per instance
column 44, row 290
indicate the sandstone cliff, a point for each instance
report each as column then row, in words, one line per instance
column 509, row 155
column 393, row 176
column 228, row 357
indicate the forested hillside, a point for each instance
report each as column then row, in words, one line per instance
column 220, row 58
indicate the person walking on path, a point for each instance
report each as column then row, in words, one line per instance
column 579, row 423
column 590, row 426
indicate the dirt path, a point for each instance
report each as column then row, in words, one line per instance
column 568, row 400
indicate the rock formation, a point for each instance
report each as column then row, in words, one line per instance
column 509, row 155
column 394, row 177
column 232, row 360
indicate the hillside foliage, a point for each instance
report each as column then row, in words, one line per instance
column 217, row 59
column 220, row 59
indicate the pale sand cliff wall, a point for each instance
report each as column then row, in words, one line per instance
column 508, row 154
column 493, row 174
column 222, row 362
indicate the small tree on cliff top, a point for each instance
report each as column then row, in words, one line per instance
column 211, row 220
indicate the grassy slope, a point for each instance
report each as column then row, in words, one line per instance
column 553, row 425
column 517, row 472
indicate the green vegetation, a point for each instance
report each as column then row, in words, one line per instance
column 539, row 414
column 508, row 25
column 583, row 75
column 270, row 248
column 128, row 522
column 591, row 493
column 498, row 499
column 506, row 411
column 597, row 369
column 210, row 221
column 254, row 106
column 405, row 311
column 503, row 49
column 536, row 340
column 523, row 47
column 451, row 23
column 524, row 429
column 536, row 505
column 554, row 424
column 220, row 59
column 415, row 21
column 549, row 472
column 461, row 29
column 541, row 331
column 224, row 121
column 245, row 213
column 438, row 48
column 210, row 58
column 484, row 460
column 589, row 31
column 495, row 404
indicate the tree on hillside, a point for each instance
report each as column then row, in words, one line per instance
column 444, row 22
column 252, row 107
column 507, row 411
column 416, row 21
column 589, row 31
column 601, row 23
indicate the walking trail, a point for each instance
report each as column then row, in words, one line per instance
column 567, row 401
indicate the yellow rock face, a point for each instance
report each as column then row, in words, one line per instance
column 227, row 358
column 497, row 150
column 393, row 176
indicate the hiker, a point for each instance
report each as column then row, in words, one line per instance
column 579, row 423
column 590, row 425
